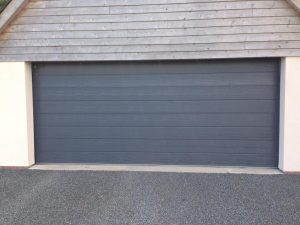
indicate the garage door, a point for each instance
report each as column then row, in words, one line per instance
column 220, row 112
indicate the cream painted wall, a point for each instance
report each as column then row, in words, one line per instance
column 289, row 147
column 16, row 115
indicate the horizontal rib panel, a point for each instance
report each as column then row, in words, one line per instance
column 228, row 106
column 242, row 92
column 161, row 133
column 154, row 119
column 157, row 146
column 201, row 68
column 221, row 79
column 163, row 158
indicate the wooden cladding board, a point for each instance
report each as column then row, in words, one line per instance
column 92, row 30
column 216, row 112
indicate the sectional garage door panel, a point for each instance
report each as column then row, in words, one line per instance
column 220, row 112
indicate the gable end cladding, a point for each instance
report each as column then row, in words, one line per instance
column 48, row 30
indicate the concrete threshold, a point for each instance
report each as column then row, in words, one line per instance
column 158, row 168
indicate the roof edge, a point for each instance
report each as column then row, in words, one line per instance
column 295, row 4
column 3, row 5
column 9, row 13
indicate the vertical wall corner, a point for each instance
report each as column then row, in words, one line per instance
column 16, row 115
column 289, row 147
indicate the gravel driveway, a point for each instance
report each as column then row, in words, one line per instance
column 118, row 198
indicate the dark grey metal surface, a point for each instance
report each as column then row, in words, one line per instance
column 221, row 112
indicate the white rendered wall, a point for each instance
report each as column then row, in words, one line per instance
column 16, row 115
column 289, row 147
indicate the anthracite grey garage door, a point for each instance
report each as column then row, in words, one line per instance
column 218, row 112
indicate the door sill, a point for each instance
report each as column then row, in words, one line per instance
column 158, row 168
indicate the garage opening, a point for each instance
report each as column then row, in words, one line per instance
column 214, row 112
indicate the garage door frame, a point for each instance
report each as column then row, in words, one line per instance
column 214, row 61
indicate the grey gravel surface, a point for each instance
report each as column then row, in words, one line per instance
column 116, row 198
